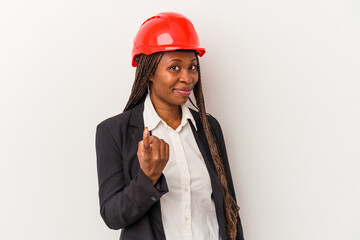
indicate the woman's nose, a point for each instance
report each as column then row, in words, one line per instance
column 186, row 76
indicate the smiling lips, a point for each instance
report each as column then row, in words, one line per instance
column 183, row 91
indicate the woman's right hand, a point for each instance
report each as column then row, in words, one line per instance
column 153, row 154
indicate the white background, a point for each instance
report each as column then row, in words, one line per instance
column 282, row 77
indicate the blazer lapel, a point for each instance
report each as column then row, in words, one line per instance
column 137, row 120
column 205, row 150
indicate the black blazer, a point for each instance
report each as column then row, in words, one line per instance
column 128, row 200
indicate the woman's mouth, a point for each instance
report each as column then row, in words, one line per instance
column 183, row 92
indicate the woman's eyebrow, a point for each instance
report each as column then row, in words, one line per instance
column 179, row 60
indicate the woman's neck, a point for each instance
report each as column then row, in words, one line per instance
column 171, row 114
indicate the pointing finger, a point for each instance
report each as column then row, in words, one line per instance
column 146, row 140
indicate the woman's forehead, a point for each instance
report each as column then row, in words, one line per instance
column 181, row 55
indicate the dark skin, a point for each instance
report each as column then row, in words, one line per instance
column 173, row 80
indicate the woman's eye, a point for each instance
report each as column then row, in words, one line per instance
column 176, row 68
column 193, row 67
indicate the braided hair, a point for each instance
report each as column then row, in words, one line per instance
column 146, row 66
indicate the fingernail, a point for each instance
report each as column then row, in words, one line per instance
column 146, row 131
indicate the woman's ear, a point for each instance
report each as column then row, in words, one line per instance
column 149, row 85
column 150, row 82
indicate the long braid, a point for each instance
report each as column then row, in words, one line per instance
column 146, row 67
column 229, row 202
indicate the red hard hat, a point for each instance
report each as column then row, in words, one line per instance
column 167, row 31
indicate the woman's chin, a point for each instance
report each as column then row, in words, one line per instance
column 181, row 101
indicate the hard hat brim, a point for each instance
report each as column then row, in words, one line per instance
column 150, row 50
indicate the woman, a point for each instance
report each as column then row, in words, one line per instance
column 162, row 168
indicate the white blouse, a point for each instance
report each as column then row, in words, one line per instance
column 187, row 210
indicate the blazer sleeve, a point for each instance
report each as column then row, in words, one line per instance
column 221, row 142
column 120, row 204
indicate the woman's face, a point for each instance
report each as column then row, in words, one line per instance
column 174, row 78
